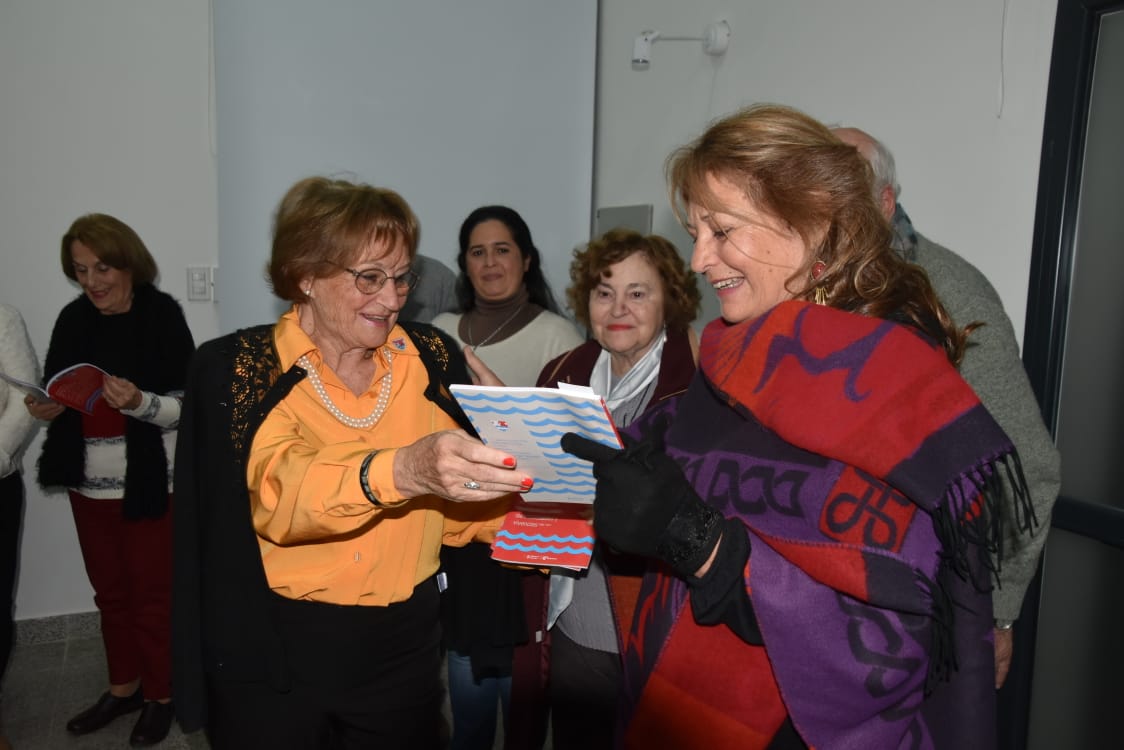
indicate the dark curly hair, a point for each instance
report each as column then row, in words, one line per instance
column 681, row 296
column 794, row 168
column 537, row 288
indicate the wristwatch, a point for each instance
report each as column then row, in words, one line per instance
column 1004, row 624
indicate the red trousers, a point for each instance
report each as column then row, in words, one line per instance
column 129, row 563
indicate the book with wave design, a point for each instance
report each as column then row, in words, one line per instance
column 529, row 424
column 546, row 535
column 551, row 526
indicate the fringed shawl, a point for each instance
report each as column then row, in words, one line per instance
column 864, row 470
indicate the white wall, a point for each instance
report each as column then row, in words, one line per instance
column 106, row 107
column 452, row 104
column 110, row 107
column 103, row 107
column 956, row 94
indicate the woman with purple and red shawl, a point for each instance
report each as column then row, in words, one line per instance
column 819, row 506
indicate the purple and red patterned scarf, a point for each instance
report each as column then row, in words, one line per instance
column 864, row 469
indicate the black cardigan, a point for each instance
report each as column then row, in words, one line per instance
column 222, row 621
column 149, row 345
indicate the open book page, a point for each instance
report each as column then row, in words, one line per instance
column 551, row 525
column 78, row 386
column 26, row 387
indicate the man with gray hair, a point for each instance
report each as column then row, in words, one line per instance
column 435, row 292
column 992, row 366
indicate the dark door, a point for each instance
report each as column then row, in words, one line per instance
column 1068, row 689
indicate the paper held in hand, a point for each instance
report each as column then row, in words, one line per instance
column 551, row 525
column 78, row 386
column 529, row 424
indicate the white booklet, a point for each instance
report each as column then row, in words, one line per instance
column 529, row 424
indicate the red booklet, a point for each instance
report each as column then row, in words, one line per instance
column 546, row 535
column 78, row 386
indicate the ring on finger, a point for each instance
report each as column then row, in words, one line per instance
column 471, row 485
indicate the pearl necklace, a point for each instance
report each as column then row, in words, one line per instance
column 335, row 411
column 497, row 329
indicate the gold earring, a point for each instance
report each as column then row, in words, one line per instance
column 814, row 275
column 308, row 292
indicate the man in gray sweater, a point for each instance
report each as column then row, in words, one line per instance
column 993, row 368
column 434, row 293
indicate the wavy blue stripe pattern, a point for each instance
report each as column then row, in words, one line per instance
column 578, row 471
column 602, row 435
column 588, row 485
column 542, row 550
column 588, row 539
column 557, row 400
column 505, row 407
column 561, row 458
column 545, row 415
column 557, row 434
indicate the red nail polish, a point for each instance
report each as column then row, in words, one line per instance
column 509, row 462
column 528, row 483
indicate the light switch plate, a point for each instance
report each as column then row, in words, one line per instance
column 637, row 218
column 198, row 283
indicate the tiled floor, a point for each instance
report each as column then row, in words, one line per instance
column 55, row 672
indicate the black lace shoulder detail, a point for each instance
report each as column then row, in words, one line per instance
column 437, row 344
column 254, row 369
column 446, row 366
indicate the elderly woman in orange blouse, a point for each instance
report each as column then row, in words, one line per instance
column 323, row 466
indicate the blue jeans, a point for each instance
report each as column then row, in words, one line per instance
column 474, row 704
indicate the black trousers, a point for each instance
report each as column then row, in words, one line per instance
column 584, row 691
column 362, row 678
column 11, row 516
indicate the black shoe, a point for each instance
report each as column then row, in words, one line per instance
column 108, row 708
column 153, row 725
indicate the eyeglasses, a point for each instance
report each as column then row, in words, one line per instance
column 371, row 281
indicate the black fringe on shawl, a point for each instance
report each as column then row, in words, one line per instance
column 966, row 525
column 942, row 645
column 967, row 522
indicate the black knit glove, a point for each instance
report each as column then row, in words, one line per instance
column 645, row 506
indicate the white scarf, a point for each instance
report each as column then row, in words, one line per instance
column 635, row 380
column 631, row 386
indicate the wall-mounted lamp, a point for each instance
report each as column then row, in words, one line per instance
column 715, row 40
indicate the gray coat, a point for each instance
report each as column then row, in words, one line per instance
column 994, row 369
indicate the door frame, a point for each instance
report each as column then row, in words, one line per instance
column 1055, row 226
column 1068, row 95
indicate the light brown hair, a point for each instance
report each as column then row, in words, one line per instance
column 114, row 243
column 794, row 168
column 322, row 224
